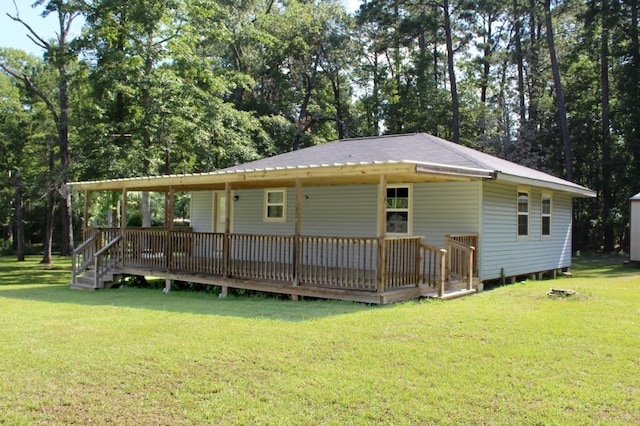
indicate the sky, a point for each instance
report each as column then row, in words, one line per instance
column 13, row 34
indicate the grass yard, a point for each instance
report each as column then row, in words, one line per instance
column 511, row 355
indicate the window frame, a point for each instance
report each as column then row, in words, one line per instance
column 408, row 210
column 543, row 215
column 520, row 214
column 267, row 204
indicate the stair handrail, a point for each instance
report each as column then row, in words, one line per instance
column 101, row 268
column 460, row 262
column 433, row 262
column 86, row 250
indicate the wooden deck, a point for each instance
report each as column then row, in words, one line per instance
column 370, row 270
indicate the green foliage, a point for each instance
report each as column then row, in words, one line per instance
column 194, row 86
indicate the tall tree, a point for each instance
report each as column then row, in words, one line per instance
column 25, row 130
column 60, row 54
column 557, row 84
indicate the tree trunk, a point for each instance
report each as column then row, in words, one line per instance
column 633, row 85
column 145, row 209
column 486, row 65
column 145, row 201
column 340, row 123
column 607, row 197
column 376, row 97
column 455, row 107
column 51, row 209
column 562, row 112
column 19, row 216
column 303, row 122
column 532, row 57
column 66, row 246
column 519, row 62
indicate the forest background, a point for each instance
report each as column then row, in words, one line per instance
column 149, row 87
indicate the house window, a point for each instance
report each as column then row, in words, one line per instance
column 546, row 215
column 398, row 210
column 523, row 214
column 275, row 205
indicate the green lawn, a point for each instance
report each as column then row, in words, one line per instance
column 134, row 356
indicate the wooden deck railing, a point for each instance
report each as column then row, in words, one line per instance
column 350, row 263
column 106, row 259
column 84, row 255
column 460, row 261
column 433, row 267
column 264, row 257
column 338, row 262
column 403, row 262
column 469, row 240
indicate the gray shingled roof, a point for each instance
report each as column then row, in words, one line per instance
column 413, row 148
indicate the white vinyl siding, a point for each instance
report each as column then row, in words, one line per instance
column 503, row 250
column 348, row 211
column 488, row 209
column 201, row 211
column 446, row 208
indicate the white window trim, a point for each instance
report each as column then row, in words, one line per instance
column 528, row 213
column 543, row 215
column 266, row 205
column 409, row 186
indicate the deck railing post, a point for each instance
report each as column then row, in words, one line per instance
column 418, row 261
column 382, row 264
column 74, row 270
column 442, row 276
column 297, row 232
column 96, row 273
column 226, row 255
column 470, row 268
column 168, row 247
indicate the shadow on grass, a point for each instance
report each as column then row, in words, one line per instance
column 32, row 281
column 603, row 265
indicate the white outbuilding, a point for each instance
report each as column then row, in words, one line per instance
column 634, row 250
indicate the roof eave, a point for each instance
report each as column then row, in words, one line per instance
column 571, row 188
column 247, row 176
column 444, row 169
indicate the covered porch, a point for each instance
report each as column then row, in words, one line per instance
column 380, row 268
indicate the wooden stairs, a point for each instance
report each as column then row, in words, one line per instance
column 87, row 281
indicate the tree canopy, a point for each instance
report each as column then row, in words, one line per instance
column 153, row 87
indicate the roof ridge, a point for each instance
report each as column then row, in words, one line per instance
column 359, row 138
column 454, row 147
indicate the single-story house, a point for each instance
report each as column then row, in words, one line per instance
column 375, row 219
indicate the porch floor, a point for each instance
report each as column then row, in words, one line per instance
column 304, row 290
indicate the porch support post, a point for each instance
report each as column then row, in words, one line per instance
column 168, row 208
column 123, row 223
column 298, row 232
column 441, row 278
column 85, row 219
column 123, row 212
column 470, row 268
column 226, row 243
column 382, row 233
